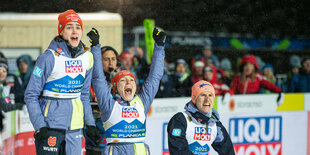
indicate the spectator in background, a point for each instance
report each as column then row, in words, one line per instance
column 126, row 63
column 269, row 75
column 260, row 64
column 208, row 57
column 140, row 65
column 181, row 80
column 197, row 71
column 6, row 102
column 110, row 62
column 228, row 73
column 25, row 67
column 294, row 62
column 295, row 65
column 301, row 82
column 2, row 55
column 5, row 93
column 164, row 86
column 249, row 80
column 210, row 75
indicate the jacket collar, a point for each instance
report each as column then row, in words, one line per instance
column 61, row 46
column 203, row 118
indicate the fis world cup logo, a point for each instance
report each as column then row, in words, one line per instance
column 73, row 66
column 130, row 112
column 256, row 135
column 202, row 134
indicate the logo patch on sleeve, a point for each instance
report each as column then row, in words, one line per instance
column 38, row 71
column 176, row 132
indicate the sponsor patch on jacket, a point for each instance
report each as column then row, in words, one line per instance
column 73, row 66
column 130, row 112
column 176, row 132
column 38, row 71
column 202, row 134
column 51, row 141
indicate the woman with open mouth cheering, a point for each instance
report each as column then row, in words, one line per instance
column 123, row 111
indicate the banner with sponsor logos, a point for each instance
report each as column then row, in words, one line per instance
column 307, row 101
column 252, row 134
column 263, row 129
column 262, row 103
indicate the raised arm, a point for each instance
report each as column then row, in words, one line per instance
column 42, row 70
column 151, row 84
column 99, row 82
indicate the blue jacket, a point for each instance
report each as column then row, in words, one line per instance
column 147, row 93
column 300, row 82
column 148, row 90
column 59, row 112
column 178, row 145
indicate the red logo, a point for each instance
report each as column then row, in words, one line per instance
column 59, row 50
column 203, row 137
column 202, row 133
column 130, row 112
column 73, row 66
column 51, row 141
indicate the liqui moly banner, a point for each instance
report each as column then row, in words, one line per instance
column 258, row 135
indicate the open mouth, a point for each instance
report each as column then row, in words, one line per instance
column 206, row 104
column 74, row 38
column 128, row 91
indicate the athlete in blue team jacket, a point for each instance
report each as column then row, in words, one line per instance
column 198, row 128
column 124, row 113
column 57, row 95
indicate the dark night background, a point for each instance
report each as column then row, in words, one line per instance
column 279, row 18
column 260, row 19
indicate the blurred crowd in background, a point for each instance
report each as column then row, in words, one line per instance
column 253, row 75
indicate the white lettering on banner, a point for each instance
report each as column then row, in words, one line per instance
column 30, row 141
column 19, row 143
column 190, row 40
column 259, row 150
column 256, row 135
column 257, row 132
column 249, row 104
column 165, row 109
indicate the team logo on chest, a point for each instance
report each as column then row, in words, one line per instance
column 73, row 66
column 202, row 134
column 130, row 112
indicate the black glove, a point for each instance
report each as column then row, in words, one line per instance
column 41, row 134
column 94, row 134
column 280, row 98
column 159, row 37
column 93, row 36
column 19, row 106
